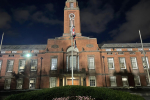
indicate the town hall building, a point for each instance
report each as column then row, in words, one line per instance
column 95, row 65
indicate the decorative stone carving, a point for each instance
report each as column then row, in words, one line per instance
column 89, row 45
column 54, row 46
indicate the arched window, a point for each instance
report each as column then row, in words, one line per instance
column 75, row 58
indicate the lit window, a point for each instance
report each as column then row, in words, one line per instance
column 14, row 51
column 71, row 5
column 134, row 63
column 110, row 63
column 122, row 63
column 137, row 81
column 125, row 81
column 108, row 49
column 52, row 82
column 32, row 83
column 54, row 64
column 113, row 81
column 19, row 83
column 25, row 51
column 22, row 64
column 0, row 65
column 74, row 62
column 129, row 49
column 3, row 51
column 140, row 49
column 118, row 49
column 7, row 83
column 145, row 64
column 10, row 64
column 92, row 81
column 36, row 51
column 33, row 65
column 91, row 62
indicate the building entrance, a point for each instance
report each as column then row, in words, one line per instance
column 75, row 82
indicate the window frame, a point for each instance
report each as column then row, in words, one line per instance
column 138, row 80
column 50, row 79
column 20, row 66
column 129, row 49
column 8, row 84
column 124, row 62
column 33, row 66
column 34, row 83
column 52, row 63
column 12, row 65
column 90, row 77
column 13, row 51
column 136, row 62
column 146, row 62
column 118, row 49
column 71, row 4
column 127, row 81
column 107, row 49
column 21, row 84
column 108, row 62
column 115, row 81
column 89, row 67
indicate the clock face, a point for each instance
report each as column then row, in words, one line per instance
column 71, row 16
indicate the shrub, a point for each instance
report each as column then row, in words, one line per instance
column 58, row 92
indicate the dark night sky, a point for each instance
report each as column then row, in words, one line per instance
column 110, row 21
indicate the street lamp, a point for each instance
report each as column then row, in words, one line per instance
column 144, row 58
column 40, row 73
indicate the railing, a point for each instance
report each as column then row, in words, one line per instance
column 69, row 71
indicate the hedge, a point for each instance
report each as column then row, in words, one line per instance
column 95, row 92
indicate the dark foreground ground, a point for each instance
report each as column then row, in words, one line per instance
column 142, row 91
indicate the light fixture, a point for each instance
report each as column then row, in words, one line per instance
column 28, row 55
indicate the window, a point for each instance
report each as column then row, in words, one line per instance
column 140, row 49
column 118, row 49
column 14, row 51
column 33, row 65
column 25, row 51
column 129, row 49
column 19, row 83
column 11, row 55
column 0, row 65
column 125, row 81
column 10, row 64
column 120, row 52
column 134, row 63
column 91, row 62
column 147, row 80
column 36, row 51
column 108, row 49
column 92, row 81
column 109, row 53
column 122, row 63
column 74, row 62
column 32, row 83
column 54, row 64
column 3, row 51
column 145, row 65
column 7, row 83
column 22, row 64
column 71, row 5
column 113, row 81
column 52, row 82
column 137, row 81
column 111, row 63
column 132, row 52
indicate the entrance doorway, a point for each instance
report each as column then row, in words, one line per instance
column 75, row 82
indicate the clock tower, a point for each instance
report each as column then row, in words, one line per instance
column 71, row 8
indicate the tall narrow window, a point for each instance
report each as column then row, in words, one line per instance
column 71, row 5
column 113, row 81
column 34, row 65
column 125, row 81
column 145, row 65
column 91, row 62
column 32, row 83
column 22, row 64
column 110, row 63
column 74, row 62
column 19, row 83
column 52, row 82
column 137, row 81
column 7, row 83
column 10, row 64
column 122, row 63
column 92, row 81
column 134, row 63
column 0, row 65
column 54, row 64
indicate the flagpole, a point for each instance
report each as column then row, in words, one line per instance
column 1, row 42
column 144, row 57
